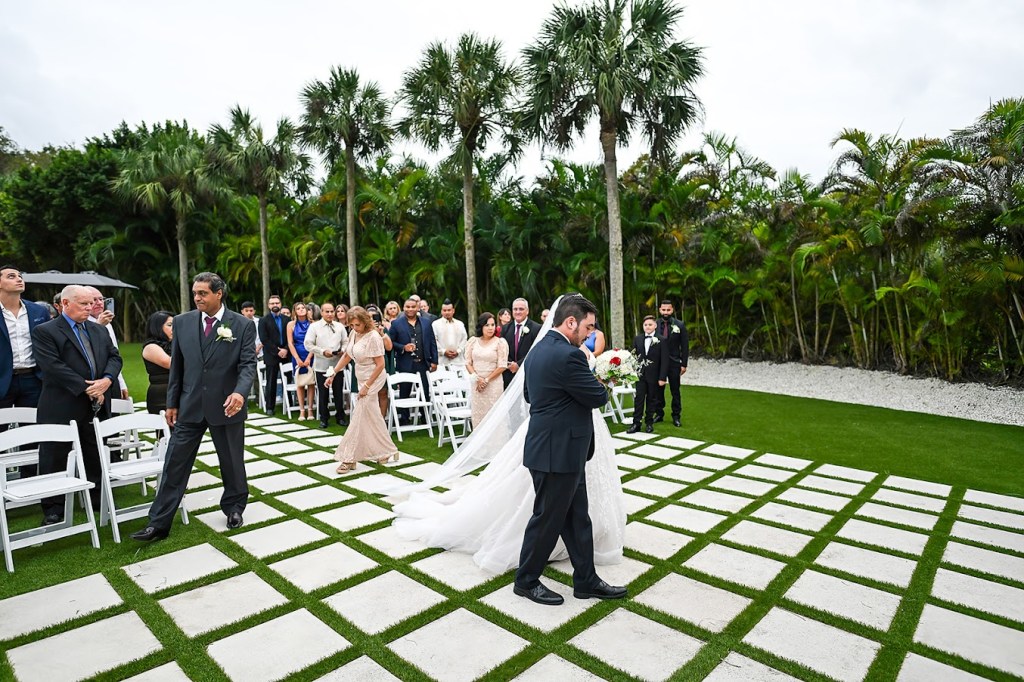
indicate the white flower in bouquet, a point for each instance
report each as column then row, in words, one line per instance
column 617, row 367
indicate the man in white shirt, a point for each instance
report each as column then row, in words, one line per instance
column 326, row 340
column 450, row 335
column 248, row 309
column 102, row 316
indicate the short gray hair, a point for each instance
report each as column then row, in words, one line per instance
column 71, row 290
column 215, row 281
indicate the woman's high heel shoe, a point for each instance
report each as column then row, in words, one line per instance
column 384, row 460
column 345, row 466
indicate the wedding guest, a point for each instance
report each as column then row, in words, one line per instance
column 50, row 310
column 672, row 332
column 519, row 334
column 504, row 317
column 248, row 310
column 415, row 349
column 57, row 305
column 324, row 341
column 544, row 316
column 425, row 312
column 486, row 360
column 104, row 317
column 450, row 335
column 391, row 312
column 367, row 437
column 595, row 342
column 301, row 359
column 275, row 347
column 156, row 356
column 653, row 356
column 389, row 358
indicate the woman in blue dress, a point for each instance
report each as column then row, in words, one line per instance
column 302, row 360
column 595, row 342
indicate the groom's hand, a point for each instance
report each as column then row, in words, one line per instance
column 171, row 415
column 233, row 404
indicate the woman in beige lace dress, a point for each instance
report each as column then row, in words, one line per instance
column 486, row 359
column 367, row 436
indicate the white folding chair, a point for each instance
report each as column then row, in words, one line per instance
column 414, row 403
column 12, row 417
column 616, row 407
column 452, row 408
column 260, row 385
column 123, row 445
column 36, row 488
column 127, row 472
column 289, row 391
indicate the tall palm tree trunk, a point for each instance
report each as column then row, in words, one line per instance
column 183, row 288
column 264, row 248
column 350, row 226
column 611, row 181
column 467, row 237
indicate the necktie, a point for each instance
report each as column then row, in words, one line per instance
column 516, row 351
column 330, row 325
column 209, row 325
column 83, row 338
column 664, row 328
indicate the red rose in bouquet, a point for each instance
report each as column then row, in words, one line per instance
column 615, row 361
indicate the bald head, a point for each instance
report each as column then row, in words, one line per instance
column 76, row 301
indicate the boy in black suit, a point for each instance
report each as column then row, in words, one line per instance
column 653, row 355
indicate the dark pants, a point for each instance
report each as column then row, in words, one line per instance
column 673, row 386
column 646, row 399
column 181, row 455
column 559, row 509
column 337, row 386
column 23, row 392
column 405, row 390
column 270, row 392
column 53, row 457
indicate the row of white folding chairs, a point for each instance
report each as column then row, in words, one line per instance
column 147, row 464
column 289, row 389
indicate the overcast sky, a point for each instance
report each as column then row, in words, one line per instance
column 782, row 77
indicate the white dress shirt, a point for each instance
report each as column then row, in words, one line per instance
column 21, row 337
column 320, row 337
column 450, row 335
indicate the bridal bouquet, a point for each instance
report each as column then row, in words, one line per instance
column 617, row 367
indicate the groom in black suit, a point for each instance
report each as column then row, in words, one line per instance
column 562, row 393
column 213, row 364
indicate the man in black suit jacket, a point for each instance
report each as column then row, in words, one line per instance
column 519, row 334
column 672, row 332
column 213, row 364
column 415, row 349
column 653, row 355
column 79, row 364
column 562, row 393
column 272, row 328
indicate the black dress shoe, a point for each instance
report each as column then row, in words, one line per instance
column 659, row 418
column 235, row 520
column 649, row 428
column 51, row 519
column 601, row 590
column 634, row 428
column 539, row 594
column 342, row 421
column 323, row 424
column 149, row 534
column 676, row 422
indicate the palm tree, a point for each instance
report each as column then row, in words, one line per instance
column 616, row 59
column 342, row 118
column 462, row 97
column 261, row 166
column 172, row 168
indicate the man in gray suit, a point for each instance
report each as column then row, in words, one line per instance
column 213, row 364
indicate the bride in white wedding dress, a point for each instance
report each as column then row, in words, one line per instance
column 486, row 515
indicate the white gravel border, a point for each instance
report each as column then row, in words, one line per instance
column 978, row 402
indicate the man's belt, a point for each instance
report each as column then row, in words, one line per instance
column 24, row 370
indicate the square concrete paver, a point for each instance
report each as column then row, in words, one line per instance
column 221, row 603
column 259, row 467
column 545, row 618
column 51, row 605
column 424, row 470
column 281, row 482
column 765, row 473
column 833, row 652
column 323, row 566
column 995, row 500
column 255, row 512
column 637, row 645
column 376, row 483
column 282, row 448
column 199, row 500
column 680, row 443
column 634, row 503
column 751, row 534
column 737, row 484
column 971, row 638
column 654, row 541
column 920, row 669
column 354, row 515
column 867, row 563
column 917, row 486
column 311, row 498
column 201, row 479
column 738, row 668
column 81, row 653
column 263, row 439
column 883, row 536
column 695, row 602
column 707, row 462
column 388, row 541
column 657, row 451
column 622, row 573
column 363, row 668
column 693, row 520
column 306, row 458
column 903, row 517
column 169, row 672
column 372, row 607
column 984, row 560
column 993, row 516
column 859, row 603
column 728, row 451
column 977, row 593
column 792, row 516
column 831, row 485
column 624, row 461
column 783, row 461
column 479, row 647
column 910, row 500
column 326, row 441
column 735, row 566
column 653, row 486
column 454, row 569
column 846, row 472
column 639, row 437
column 711, row 499
column 178, row 567
column 273, row 650
column 678, row 472
column 988, row 536
column 279, row 537
column 553, row 667
column 813, row 498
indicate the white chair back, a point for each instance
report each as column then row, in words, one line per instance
column 15, row 417
column 289, row 391
column 416, row 402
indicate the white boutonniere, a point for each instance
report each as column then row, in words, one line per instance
column 224, row 333
column 675, row 329
column 524, row 331
column 655, row 340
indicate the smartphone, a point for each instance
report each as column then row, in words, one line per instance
column 108, row 304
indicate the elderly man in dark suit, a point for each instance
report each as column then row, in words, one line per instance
column 563, row 394
column 213, row 364
column 272, row 328
column 415, row 348
column 79, row 364
column 519, row 335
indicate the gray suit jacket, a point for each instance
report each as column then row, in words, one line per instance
column 205, row 370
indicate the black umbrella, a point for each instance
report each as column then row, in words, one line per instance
column 85, row 278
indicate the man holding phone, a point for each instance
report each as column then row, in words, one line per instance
column 103, row 313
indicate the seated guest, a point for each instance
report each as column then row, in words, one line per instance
column 156, row 355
